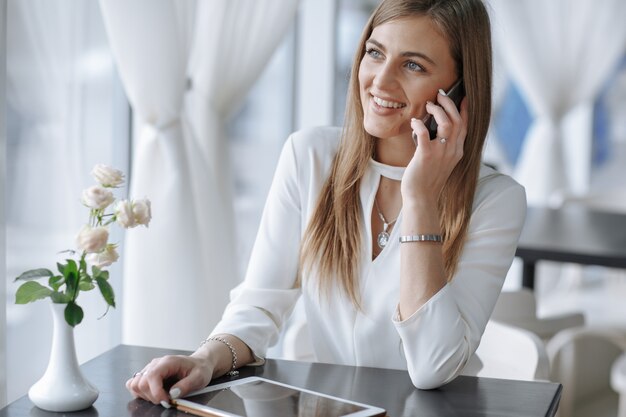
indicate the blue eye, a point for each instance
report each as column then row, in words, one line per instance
column 373, row 53
column 414, row 66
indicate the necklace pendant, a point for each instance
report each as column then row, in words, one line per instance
column 383, row 238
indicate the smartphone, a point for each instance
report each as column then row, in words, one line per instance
column 456, row 94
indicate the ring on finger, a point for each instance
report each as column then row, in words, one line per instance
column 443, row 140
column 136, row 374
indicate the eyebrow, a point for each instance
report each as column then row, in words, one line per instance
column 405, row 54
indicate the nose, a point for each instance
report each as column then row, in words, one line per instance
column 385, row 77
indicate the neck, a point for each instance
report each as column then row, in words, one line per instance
column 396, row 151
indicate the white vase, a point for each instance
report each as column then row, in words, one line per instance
column 62, row 388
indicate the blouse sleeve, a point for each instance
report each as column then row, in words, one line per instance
column 441, row 336
column 264, row 300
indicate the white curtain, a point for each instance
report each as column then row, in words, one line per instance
column 183, row 79
column 559, row 53
column 494, row 153
column 3, row 299
column 60, row 104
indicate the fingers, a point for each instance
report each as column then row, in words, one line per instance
column 420, row 133
column 451, row 125
column 149, row 383
column 452, row 116
column 421, row 137
column 149, row 386
column 444, row 123
column 187, row 373
column 195, row 380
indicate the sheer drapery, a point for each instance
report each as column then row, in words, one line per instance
column 60, row 99
column 559, row 53
column 3, row 299
column 183, row 79
column 493, row 153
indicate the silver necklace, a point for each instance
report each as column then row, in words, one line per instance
column 383, row 237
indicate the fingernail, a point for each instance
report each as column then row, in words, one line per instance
column 429, row 102
column 413, row 119
column 166, row 404
column 174, row 393
column 443, row 93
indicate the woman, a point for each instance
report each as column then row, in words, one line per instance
column 398, row 244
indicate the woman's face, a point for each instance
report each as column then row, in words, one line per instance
column 406, row 61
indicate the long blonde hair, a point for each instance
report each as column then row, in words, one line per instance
column 332, row 239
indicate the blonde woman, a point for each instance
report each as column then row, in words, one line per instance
column 397, row 244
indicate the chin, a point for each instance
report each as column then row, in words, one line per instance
column 380, row 132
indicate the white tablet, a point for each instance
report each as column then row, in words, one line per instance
column 260, row 397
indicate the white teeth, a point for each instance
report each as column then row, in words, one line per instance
column 388, row 104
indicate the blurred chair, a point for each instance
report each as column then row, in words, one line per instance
column 508, row 352
column 618, row 383
column 581, row 359
column 519, row 308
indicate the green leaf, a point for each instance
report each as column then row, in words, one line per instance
column 71, row 281
column 61, row 268
column 105, row 312
column 60, row 297
column 56, row 281
column 85, row 282
column 35, row 274
column 83, row 264
column 70, row 267
column 104, row 274
column 83, row 276
column 95, row 271
column 106, row 290
column 84, row 285
column 31, row 291
column 73, row 314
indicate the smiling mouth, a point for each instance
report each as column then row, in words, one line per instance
column 387, row 103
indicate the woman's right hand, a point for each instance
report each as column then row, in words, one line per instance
column 189, row 373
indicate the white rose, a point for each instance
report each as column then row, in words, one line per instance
column 104, row 258
column 142, row 211
column 124, row 214
column 107, row 176
column 97, row 197
column 92, row 239
column 133, row 213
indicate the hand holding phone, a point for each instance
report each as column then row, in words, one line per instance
column 456, row 94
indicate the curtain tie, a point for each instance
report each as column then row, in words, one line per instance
column 152, row 130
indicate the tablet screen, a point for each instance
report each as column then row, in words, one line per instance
column 261, row 398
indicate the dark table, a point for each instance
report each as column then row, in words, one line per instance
column 571, row 234
column 386, row 388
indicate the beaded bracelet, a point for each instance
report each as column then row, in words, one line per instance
column 233, row 371
column 421, row 238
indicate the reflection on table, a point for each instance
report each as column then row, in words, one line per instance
column 386, row 388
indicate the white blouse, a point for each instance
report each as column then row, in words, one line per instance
column 433, row 344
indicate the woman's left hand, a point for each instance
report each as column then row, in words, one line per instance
column 434, row 160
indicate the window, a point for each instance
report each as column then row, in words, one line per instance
column 352, row 16
column 256, row 136
column 66, row 111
